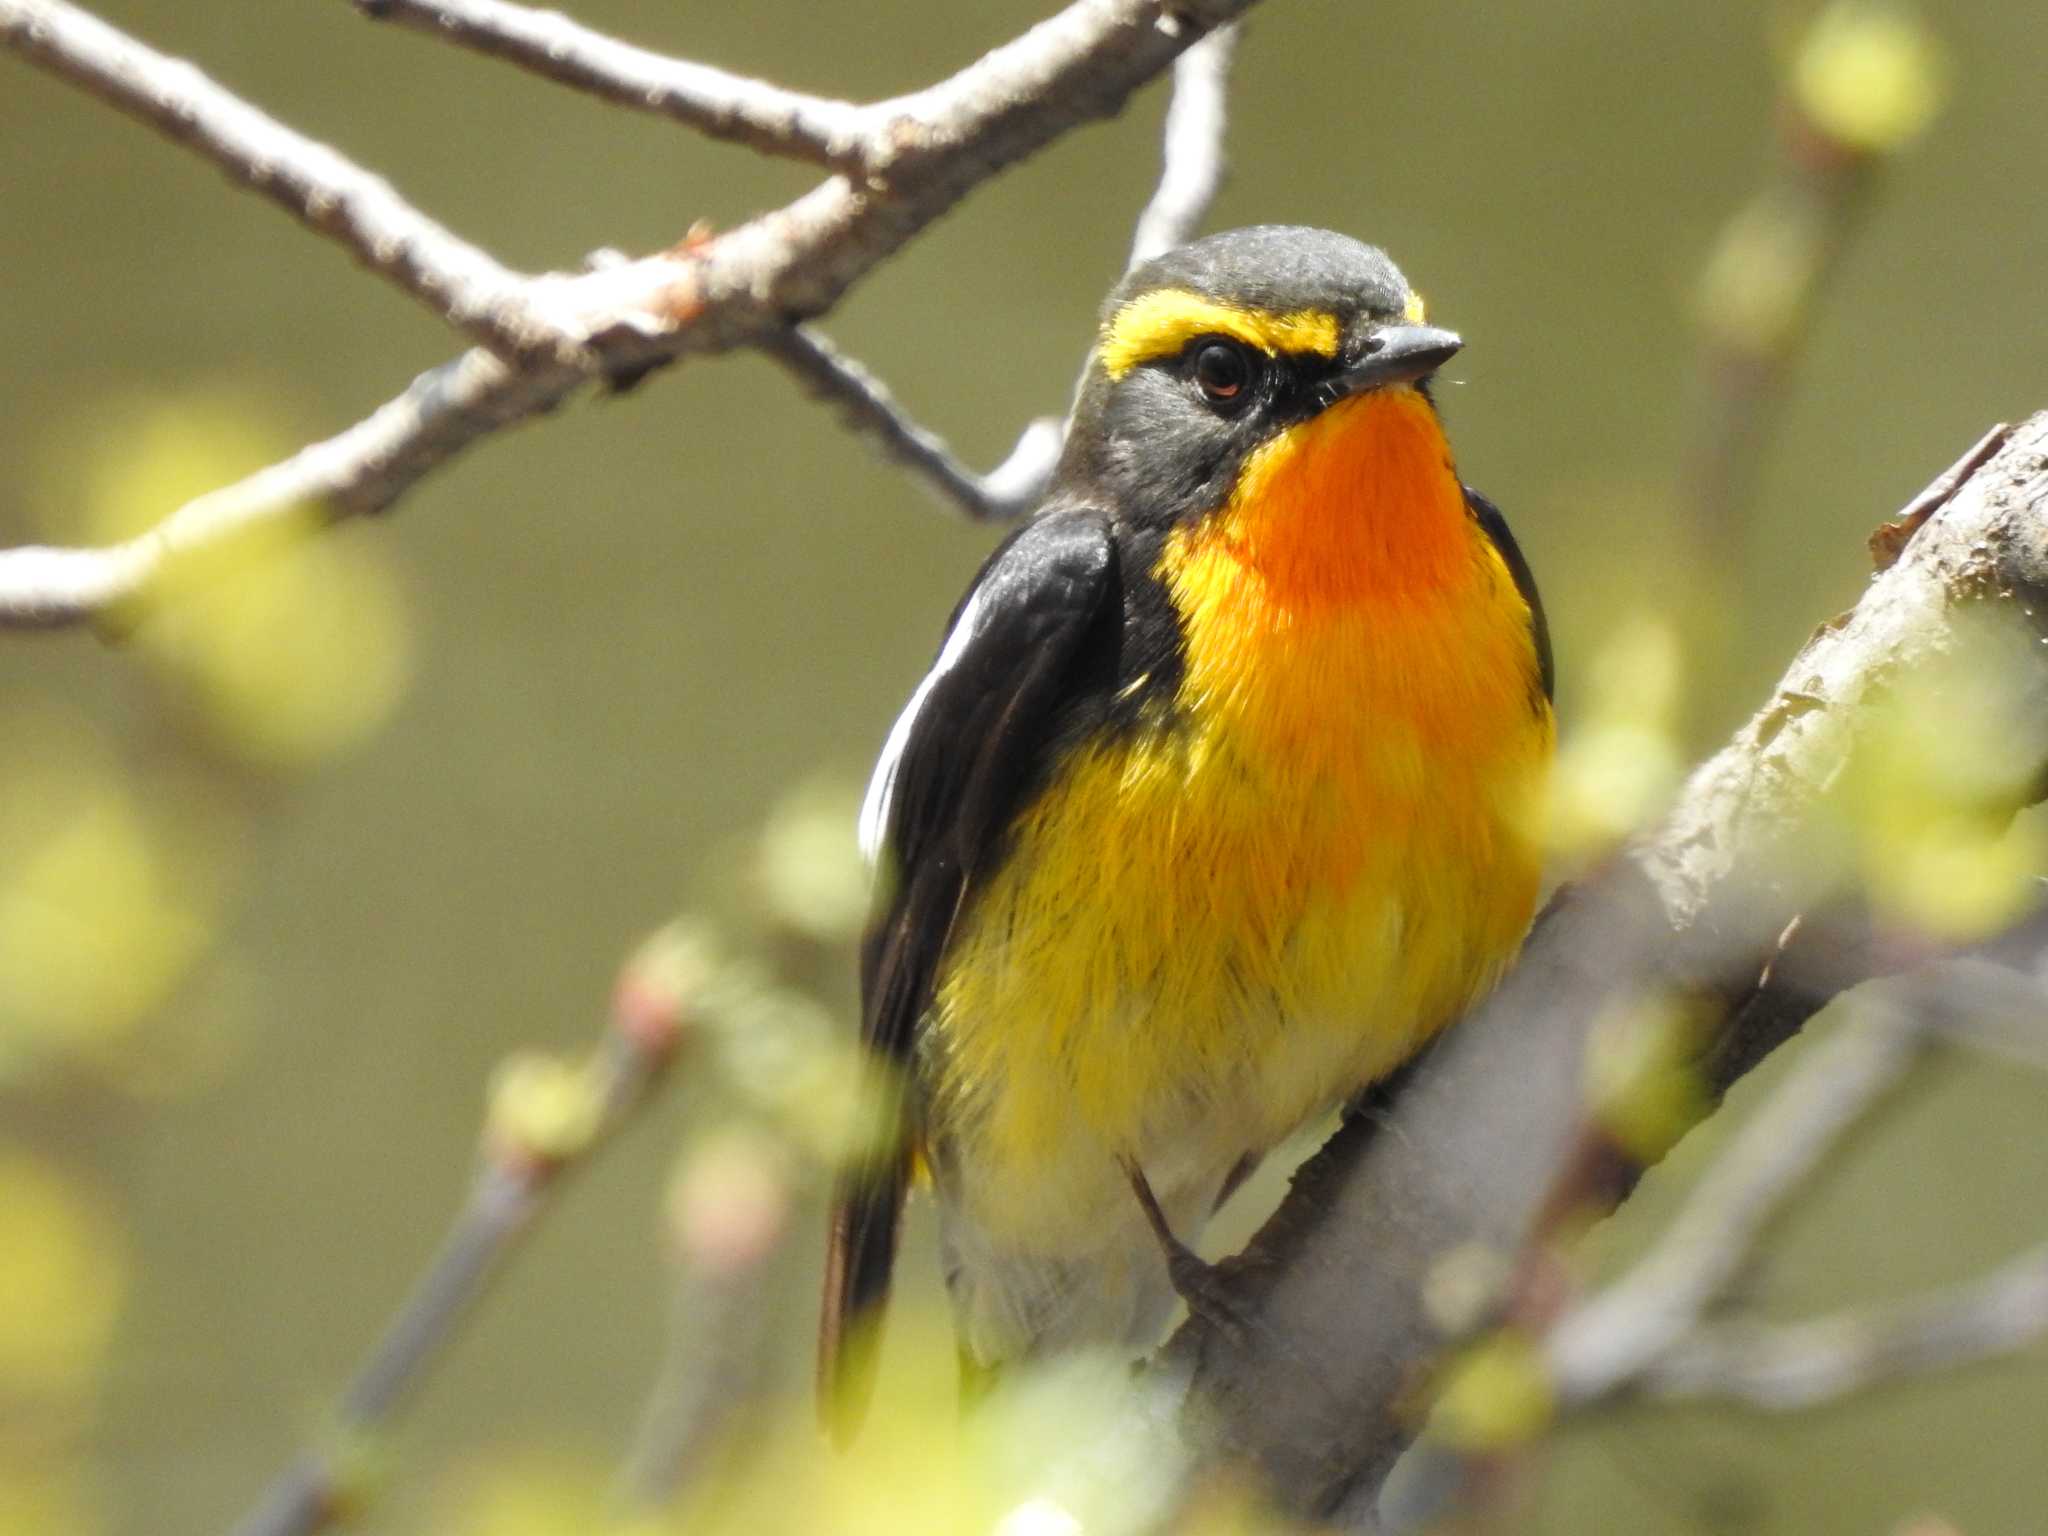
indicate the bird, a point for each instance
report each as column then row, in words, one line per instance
column 1221, row 797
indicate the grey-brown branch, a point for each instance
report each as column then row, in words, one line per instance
column 512, row 1188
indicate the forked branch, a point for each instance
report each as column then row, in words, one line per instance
column 547, row 335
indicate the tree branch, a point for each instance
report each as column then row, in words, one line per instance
column 1471, row 1147
column 1609, row 1339
column 319, row 187
column 1192, row 168
column 359, row 471
column 1798, row 1365
column 546, row 1118
column 868, row 409
column 925, row 152
column 721, row 105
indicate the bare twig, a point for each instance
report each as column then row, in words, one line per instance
column 324, row 190
column 526, row 1150
column 1778, row 254
column 1193, row 154
column 866, row 406
column 1889, row 538
column 722, row 105
column 729, row 1224
column 1652, row 1322
column 1191, row 170
column 362, row 470
column 932, row 148
column 1797, row 1365
column 1609, row 1339
column 313, row 1493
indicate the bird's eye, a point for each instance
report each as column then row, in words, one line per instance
column 1222, row 372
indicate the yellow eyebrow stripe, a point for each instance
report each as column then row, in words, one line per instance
column 1160, row 323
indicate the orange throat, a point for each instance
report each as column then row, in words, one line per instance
column 1358, row 504
column 1345, row 601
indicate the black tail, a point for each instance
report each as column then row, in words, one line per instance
column 867, row 1210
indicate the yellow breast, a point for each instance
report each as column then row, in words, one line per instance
column 1222, row 923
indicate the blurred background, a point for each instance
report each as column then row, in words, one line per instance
column 281, row 885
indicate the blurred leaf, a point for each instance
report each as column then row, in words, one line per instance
column 1753, row 293
column 1643, row 1084
column 1621, row 762
column 1929, row 803
column 63, row 1274
column 46, row 1500
column 531, row 1491
column 1494, row 1396
column 286, row 645
column 542, row 1108
column 104, row 906
column 809, row 865
column 1870, row 76
column 288, row 648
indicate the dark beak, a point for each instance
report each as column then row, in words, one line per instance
column 1395, row 354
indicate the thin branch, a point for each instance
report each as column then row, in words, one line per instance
column 323, row 189
column 627, row 318
column 1662, row 1332
column 1608, row 1339
column 1777, row 256
column 313, row 1492
column 729, row 1225
column 1638, row 1326
column 1193, row 154
column 1797, row 1365
column 867, row 408
column 1993, row 1008
column 1191, row 171
column 745, row 111
column 361, row 470
column 525, row 1154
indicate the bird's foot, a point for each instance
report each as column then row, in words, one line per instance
column 1199, row 1283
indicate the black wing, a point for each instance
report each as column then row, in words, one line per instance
column 974, row 738
column 1490, row 519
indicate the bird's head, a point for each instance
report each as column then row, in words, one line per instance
column 1230, row 345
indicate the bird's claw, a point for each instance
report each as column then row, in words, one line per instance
column 1202, row 1285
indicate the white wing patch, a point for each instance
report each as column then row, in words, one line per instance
column 874, row 809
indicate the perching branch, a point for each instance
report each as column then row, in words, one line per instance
column 542, row 1124
column 922, row 154
column 1469, row 1153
